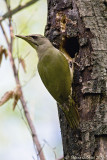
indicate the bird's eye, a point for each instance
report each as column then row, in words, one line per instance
column 34, row 37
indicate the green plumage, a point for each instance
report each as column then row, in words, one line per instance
column 55, row 74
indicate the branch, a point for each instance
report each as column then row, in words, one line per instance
column 17, row 9
column 23, row 102
column 4, row 34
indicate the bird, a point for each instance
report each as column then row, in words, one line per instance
column 55, row 74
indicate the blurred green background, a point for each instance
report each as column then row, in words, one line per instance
column 15, row 139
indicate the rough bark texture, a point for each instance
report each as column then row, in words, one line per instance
column 79, row 28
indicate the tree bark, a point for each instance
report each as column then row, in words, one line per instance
column 78, row 27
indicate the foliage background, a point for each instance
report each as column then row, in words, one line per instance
column 15, row 139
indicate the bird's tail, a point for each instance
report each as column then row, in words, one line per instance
column 71, row 113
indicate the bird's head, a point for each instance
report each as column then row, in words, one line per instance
column 36, row 40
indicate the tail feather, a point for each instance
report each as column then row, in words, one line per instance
column 71, row 113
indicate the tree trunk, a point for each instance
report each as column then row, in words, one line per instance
column 78, row 27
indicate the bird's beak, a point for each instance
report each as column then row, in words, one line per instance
column 28, row 39
column 22, row 37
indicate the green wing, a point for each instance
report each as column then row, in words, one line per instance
column 55, row 74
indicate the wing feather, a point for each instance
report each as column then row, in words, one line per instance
column 55, row 74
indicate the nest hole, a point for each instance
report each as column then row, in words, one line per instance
column 71, row 46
